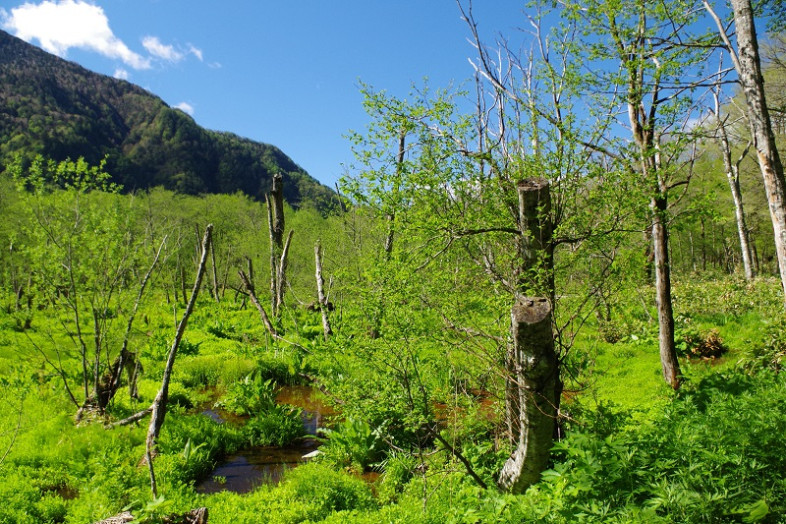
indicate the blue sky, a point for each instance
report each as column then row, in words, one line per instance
column 281, row 72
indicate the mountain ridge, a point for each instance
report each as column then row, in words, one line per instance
column 59, row 109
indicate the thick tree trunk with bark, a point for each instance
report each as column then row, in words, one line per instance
column 749, row 71
column 277, row 200
column 660, row 248
column 535, row 274
column 538, row 389
column 281, row 275
column 278, row 250
column 533, row 387
column 747, row 63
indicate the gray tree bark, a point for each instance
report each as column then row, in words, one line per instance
column 159, row 406
column 538, row 389
column 214, row 271
column 278, row 250
column 747, row 63
column 533, row 387
column 733, row 177
column 321, row 297
column 535, row 275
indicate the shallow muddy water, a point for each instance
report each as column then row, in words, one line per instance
column 315, row 412
column 252, row 467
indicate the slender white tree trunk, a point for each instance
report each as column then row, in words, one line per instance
column 159, row 406
column 747, row 63
column 321, row 297
column 752, row 82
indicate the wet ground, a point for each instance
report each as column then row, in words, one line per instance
column 252, row 467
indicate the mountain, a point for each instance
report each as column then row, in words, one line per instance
column 59, row 109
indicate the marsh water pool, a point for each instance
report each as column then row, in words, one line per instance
column 251, row 467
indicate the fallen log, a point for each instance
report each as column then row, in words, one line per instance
column 195, row 516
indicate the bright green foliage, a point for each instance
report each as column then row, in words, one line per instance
column 40, row 175
column 655, row 458
column 251, row 395
column 270, row 424
column 311, row 493
column 689, row 464
column 278, row 426
column 415, row 367
column 352, row 444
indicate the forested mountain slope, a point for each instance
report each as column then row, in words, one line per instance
column 59, row 109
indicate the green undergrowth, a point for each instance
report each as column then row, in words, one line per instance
column 633, row 451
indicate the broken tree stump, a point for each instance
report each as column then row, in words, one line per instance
column 536, row 373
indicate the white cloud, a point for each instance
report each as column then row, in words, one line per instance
column 168, row 52
column 195, row 51
column 185, row 107
column 160, row 50
column 121, row 74
column 60, row 25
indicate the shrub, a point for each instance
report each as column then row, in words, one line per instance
column 326, row 490
column 353, row 444
column 276, row 426
column 711, row 455
column 249, row 396
column 771, row 354
column 399, row 469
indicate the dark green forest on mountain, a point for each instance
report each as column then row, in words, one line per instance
column 58, row 109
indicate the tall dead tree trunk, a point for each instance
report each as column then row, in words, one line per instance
column 533, row 387
column 536, row 271
column 534, row 275
column 214, row 272
column 747, row 63
column 159, row 406
column 273, row 258
column 733, row 177
column 281, row 274
column 321, row 297
column 275, row 218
